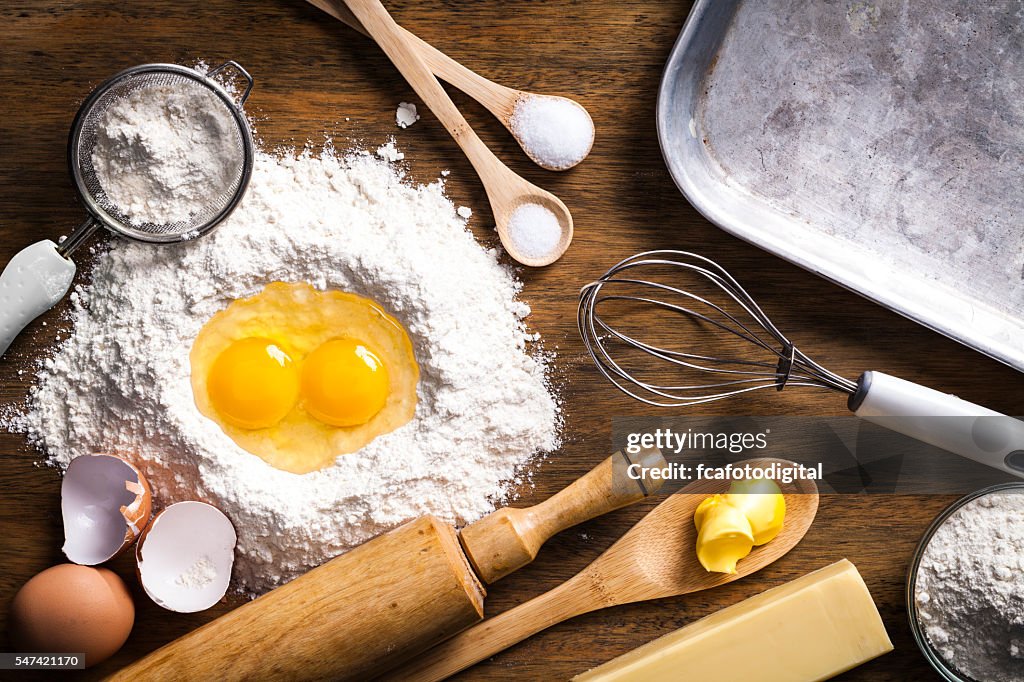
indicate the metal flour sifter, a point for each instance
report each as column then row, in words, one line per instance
column 39, row 276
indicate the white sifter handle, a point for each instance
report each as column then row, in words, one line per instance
column 970, row 431
column 32, row 283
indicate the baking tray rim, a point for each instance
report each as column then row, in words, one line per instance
column 864, row 284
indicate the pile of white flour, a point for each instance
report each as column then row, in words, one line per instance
column 164, row 152
column 120, row 382
column 970, row 588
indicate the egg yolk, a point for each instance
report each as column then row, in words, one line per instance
column 253, row 383
column 344, row 383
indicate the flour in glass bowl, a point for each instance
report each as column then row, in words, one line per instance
column 120, row 382
column 970, row 588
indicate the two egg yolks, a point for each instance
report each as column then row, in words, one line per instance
column 254, row 383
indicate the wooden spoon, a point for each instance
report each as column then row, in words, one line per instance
column 497, row 99
column 506, row 191
column 656, row 558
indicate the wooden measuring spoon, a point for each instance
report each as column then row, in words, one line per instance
column 496, row 98
column 506, row 191
column 656, row 558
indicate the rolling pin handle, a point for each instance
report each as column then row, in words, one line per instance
column 508, row 539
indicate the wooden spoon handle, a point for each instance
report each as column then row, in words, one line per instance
column 499, row 99
column 572, row 598
column 508, row 539
column 338, row 10
column 392, row 39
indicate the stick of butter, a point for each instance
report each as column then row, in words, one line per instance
column 812, row 628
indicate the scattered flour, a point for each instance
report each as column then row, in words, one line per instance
column 389, row 152
column 120, row 382
column 201, row 574
column 465, row 212
column 163, row 151
column 405, row 114
column 557, row 132
column 970, row 588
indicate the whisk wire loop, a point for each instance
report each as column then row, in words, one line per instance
column 615, row 351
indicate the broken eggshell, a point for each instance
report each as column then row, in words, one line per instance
column 106, row 503
column 185, row 557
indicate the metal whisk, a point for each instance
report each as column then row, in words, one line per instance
column 779, row 362
column 748, row 353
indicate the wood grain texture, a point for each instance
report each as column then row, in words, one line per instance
column 314, row 76
column 495, row 97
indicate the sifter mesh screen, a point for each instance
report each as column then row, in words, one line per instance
column 203, row 216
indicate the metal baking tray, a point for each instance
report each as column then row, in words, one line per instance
column 878, row 144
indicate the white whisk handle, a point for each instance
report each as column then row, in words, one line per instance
column 941, row 420
column 32, row 283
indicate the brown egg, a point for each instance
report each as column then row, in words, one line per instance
column 72, row 609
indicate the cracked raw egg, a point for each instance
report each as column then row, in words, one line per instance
column 299, row 376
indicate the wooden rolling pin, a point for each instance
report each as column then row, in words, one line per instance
column 387, row 600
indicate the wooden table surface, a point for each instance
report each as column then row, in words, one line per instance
column 314, row 76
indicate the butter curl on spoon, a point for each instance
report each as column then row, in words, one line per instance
column 729, row 526
column 537, row 122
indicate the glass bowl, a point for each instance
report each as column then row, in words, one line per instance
column 937, row 662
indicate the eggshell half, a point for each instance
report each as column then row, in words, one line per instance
column 185, row 557
column 106, row 503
